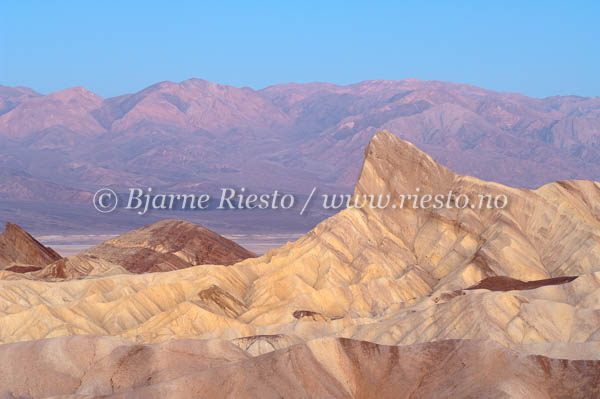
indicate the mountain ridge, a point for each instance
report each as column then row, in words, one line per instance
column 289, row 137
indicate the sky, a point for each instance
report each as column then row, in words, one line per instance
column 538, row 48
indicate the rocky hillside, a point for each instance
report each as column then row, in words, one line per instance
column 163, row 246
column 21, row 252
column 93, row 367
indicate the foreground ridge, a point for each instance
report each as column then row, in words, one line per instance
column 94, row 366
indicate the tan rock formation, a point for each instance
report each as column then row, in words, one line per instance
column 162, row 246
column 524, row 278
column 396, row 267
column 93, row 367
column 21, row 251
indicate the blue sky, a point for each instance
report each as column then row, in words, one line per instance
column 539, row 48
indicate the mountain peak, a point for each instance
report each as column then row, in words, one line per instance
column 14, row 230
column 76, row 92
column 170, row 244
column 162, row 246
column 392, row 165
column 17, row 247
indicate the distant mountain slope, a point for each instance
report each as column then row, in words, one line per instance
column 215, row 131
column 10, row 97
column 289, row 137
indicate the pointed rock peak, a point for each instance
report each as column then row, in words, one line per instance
column 15, row 233
column 393, row 165
column 13, row 230
column 17, row 247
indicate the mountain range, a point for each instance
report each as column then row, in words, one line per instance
column 199, row 136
